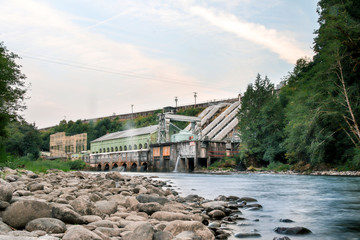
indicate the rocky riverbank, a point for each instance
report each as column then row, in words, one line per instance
column 314, row 173
column 78, row 205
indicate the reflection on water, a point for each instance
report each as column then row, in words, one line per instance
column 329, row 206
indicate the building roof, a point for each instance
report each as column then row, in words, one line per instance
column 127, row 133
column 182, row 118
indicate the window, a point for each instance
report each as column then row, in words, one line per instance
column 116, row 149
column 125, row 148
column 120, row 148
column 140, row 146
column 145, row 145
column 130, row 148
column 112, row 149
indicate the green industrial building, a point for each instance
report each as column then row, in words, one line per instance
column 165, row 147
column 133, row 139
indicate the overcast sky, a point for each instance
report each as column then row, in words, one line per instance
column 87, row 59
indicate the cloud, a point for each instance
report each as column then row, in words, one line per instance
column 130, row 76
column 287, row 48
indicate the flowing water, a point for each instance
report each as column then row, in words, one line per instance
column 327, row 205
column 177, row 164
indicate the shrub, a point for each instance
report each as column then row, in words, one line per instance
column 226, row 162
column 278, row 166
column 76, row 165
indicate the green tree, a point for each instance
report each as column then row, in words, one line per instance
column 261, row 123
column 24, row 140
column 323, row 95
column 12, row 92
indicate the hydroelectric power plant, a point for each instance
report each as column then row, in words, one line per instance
column 164, row 147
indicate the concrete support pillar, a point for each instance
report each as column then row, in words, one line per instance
column 167, row 129
column 187, row 164
column 196, row 161
column 161, row 160
column 208, row 162
column 102, row 167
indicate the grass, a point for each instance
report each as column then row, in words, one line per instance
column 226, row 163
column 40, row 165
column 277, row 166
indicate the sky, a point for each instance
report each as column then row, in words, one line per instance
column 88, row 59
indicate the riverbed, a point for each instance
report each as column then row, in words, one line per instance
column 327, row 205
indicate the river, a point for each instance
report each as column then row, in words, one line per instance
column 327, row 205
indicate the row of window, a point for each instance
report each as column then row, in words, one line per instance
column 125, row 148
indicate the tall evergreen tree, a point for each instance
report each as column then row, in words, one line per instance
column 261, row 123
column 323, row 95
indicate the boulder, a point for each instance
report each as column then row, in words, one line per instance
column 220, row 198
column 6, row 191
column 131, row 226
column 106, row 184
column 121, row 200
column 10, row 171
column 110, row 232
column 292, row 230
column 131, row 203
column 187, row 235
column 149, row 208
column 209, row 206
column 91, row 218
column 248, row 235
column 286, row 220
column 32, row 187
column 170, row 216
column 281, row 238
column 19, row 235
column 4, row 228
column 66, row 214
column 30, row 174
column 103, row 223
column 143, row 232
column 11, row 178
column 80, row 233
column 151, row 190
column 116, row 176
column 18, row 214
column 49, row 225
column 193, row 198
column 102, row 235
column 144, row 198
column 163, row 235
column 135, row 218
column 253, row 206
column 94, row 197
column 4, row 204
column 247, row 199
column 23, row 193
column 84, row 206
column 178, row 226
column 233, row 198
column 217, row 214
column 106, row 207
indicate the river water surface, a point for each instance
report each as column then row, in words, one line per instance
column 327, row 205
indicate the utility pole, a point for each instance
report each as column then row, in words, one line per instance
column 176, row 99
column 195, row 95
column 132, row 111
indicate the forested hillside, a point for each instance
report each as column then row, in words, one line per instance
column 313, row 121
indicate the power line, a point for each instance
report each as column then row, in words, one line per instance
column 122, row 73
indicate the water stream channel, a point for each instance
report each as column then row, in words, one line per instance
column 327, row 205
